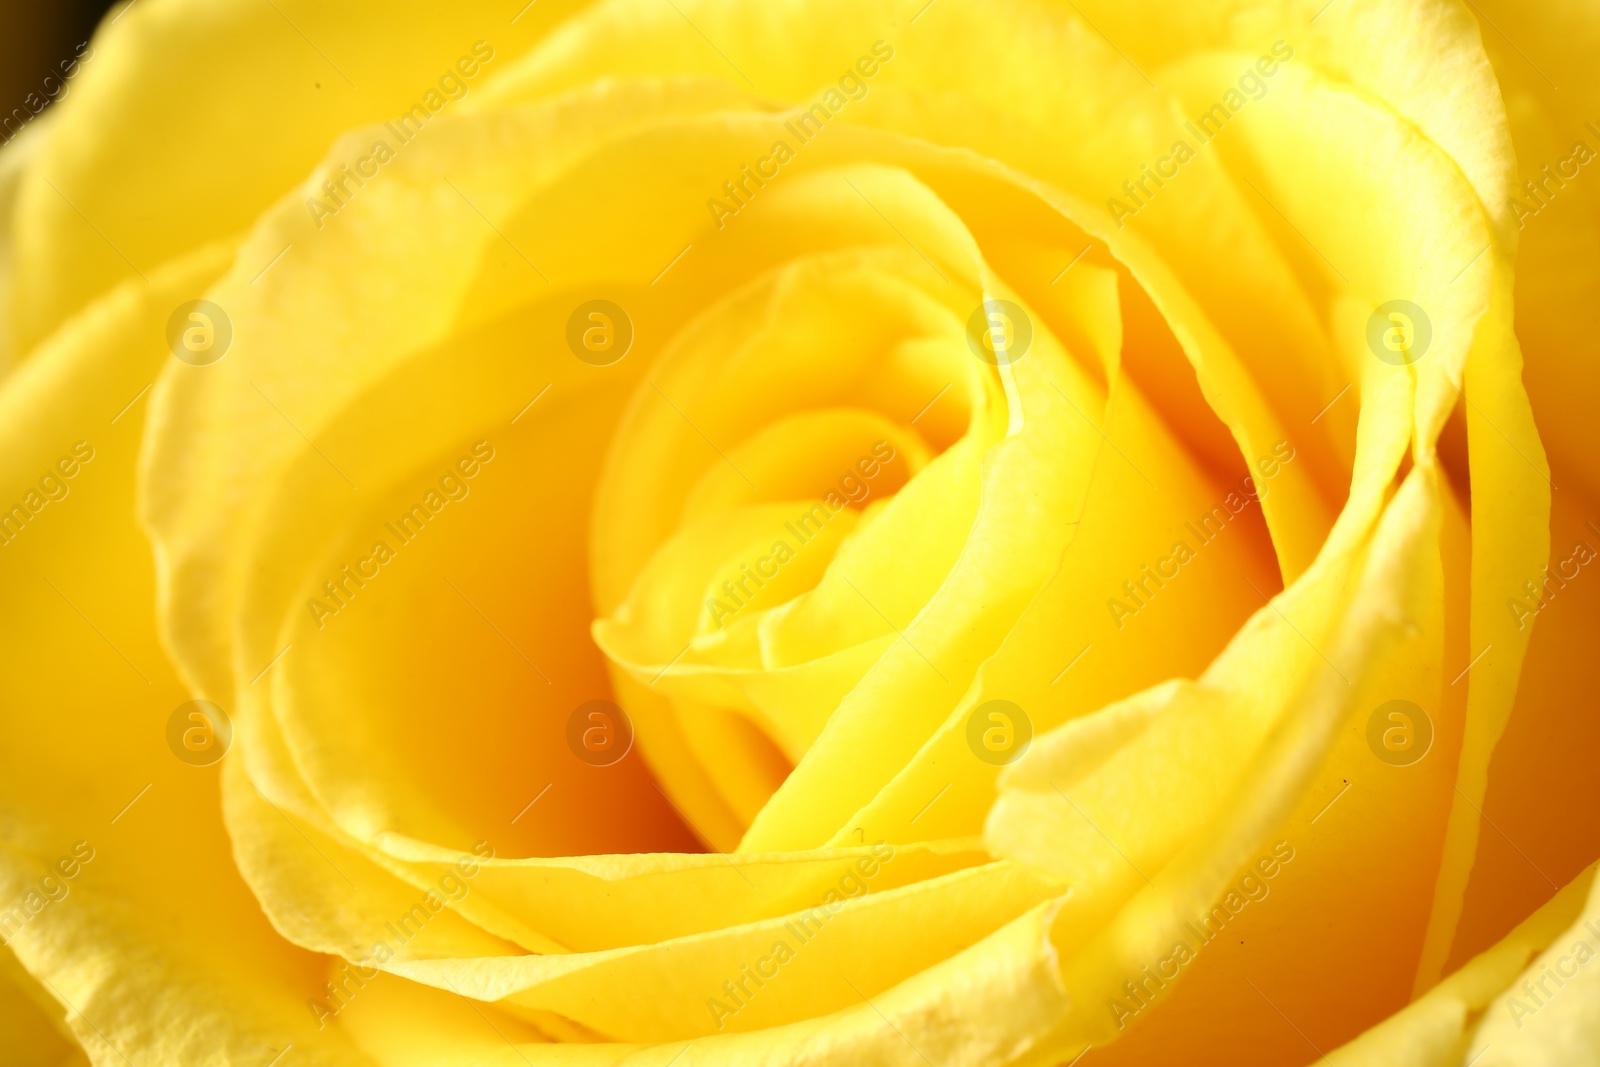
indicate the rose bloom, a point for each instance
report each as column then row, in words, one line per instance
column 844, row 532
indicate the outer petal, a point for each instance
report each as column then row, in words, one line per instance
column 189, row 118
column 157, row 949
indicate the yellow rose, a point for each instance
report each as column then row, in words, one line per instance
column 851, row 533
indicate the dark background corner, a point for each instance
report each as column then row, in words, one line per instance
column 35, row 37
